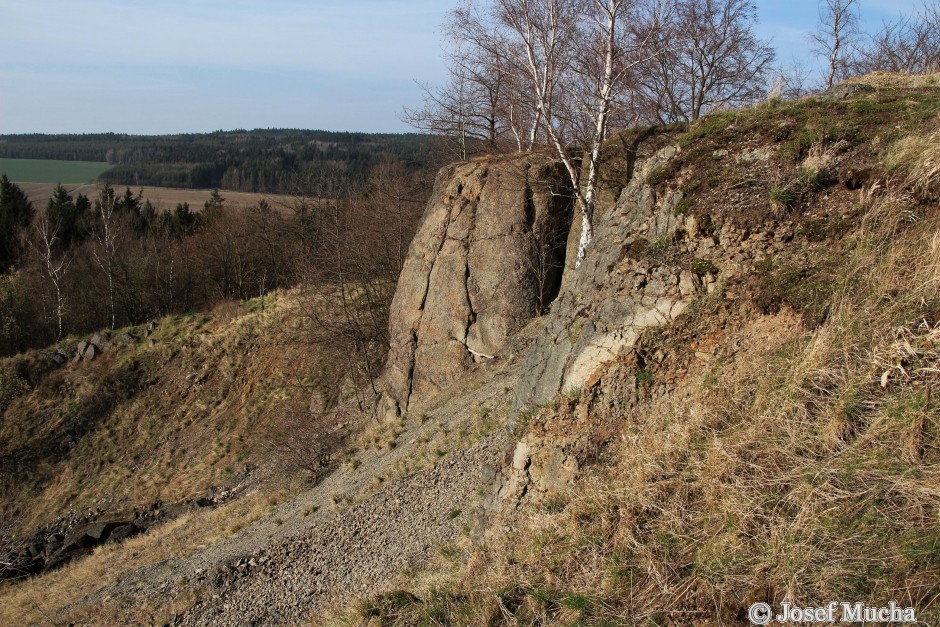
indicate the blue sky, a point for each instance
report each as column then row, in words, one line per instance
column 199, row 65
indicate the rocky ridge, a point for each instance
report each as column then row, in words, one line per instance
column 487, row 257
column 467, row 335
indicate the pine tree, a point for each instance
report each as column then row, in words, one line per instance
column 16, row 212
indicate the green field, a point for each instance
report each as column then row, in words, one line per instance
column 50, row 171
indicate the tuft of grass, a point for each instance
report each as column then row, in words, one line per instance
column 682, row 207
column 915, row 159
column 701, row 267
column 817, row 230
column 781, row 198
column 554, row 503
column 572, row 393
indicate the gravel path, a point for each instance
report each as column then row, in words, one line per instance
column 348, row 535
column 359, row 552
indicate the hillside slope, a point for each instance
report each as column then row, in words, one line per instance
column 729, row 401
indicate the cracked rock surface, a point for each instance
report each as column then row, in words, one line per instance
column 487, row 256
column 628, row 282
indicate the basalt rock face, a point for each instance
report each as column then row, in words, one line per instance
column 630, row 280
column 487, row 258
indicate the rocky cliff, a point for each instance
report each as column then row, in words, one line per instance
column 486, row 259
column 619, row 289
column 729, row 401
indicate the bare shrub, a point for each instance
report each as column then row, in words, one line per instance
column 304, row 441
column 908, row 45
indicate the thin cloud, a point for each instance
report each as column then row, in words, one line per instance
column 367, row 39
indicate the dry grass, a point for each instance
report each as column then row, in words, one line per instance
column 59, row 597
column 226, row 379
column 805, row 472
column 193, row 416
column 897, row 81
column 917, row 158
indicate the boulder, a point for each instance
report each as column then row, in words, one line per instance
column 487, row 257
column 846, row 90
column 84, row 536
column 82, row 540
column 52, row 544
column 122, row 532
column 90, row 352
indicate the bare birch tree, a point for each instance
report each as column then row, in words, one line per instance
column 575, row 55
column 836, row 34
column 105, row 233
column 53, row 263
column 564, row 72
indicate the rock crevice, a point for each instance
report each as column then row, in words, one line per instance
column 621, row 288
column 478, row 269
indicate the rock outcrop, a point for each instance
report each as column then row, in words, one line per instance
column 631, row 279
column 487, row 257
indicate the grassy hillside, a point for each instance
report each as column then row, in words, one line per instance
column 161, row 419
column 52, row 171
column 778, row 440
column 785, row 440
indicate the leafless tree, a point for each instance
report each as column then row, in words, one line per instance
column 909, row 45
column 711, row 58
column 359, row 252
column 105, row 234
column 476, row 107
column 793, row 80
column 305, row 441
column 836, row 35
column 53, row 262
column 544, row 265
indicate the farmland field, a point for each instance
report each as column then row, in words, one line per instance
column 163, row 198
column 52, row 171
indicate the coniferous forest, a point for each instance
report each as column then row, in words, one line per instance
column 272, row 161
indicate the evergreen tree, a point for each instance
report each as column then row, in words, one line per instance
column 16, row 212
column 70, row 216
column 129, row 202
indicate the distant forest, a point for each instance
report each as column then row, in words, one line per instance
column 276, row 161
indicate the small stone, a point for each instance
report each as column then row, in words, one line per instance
column 520, row 458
